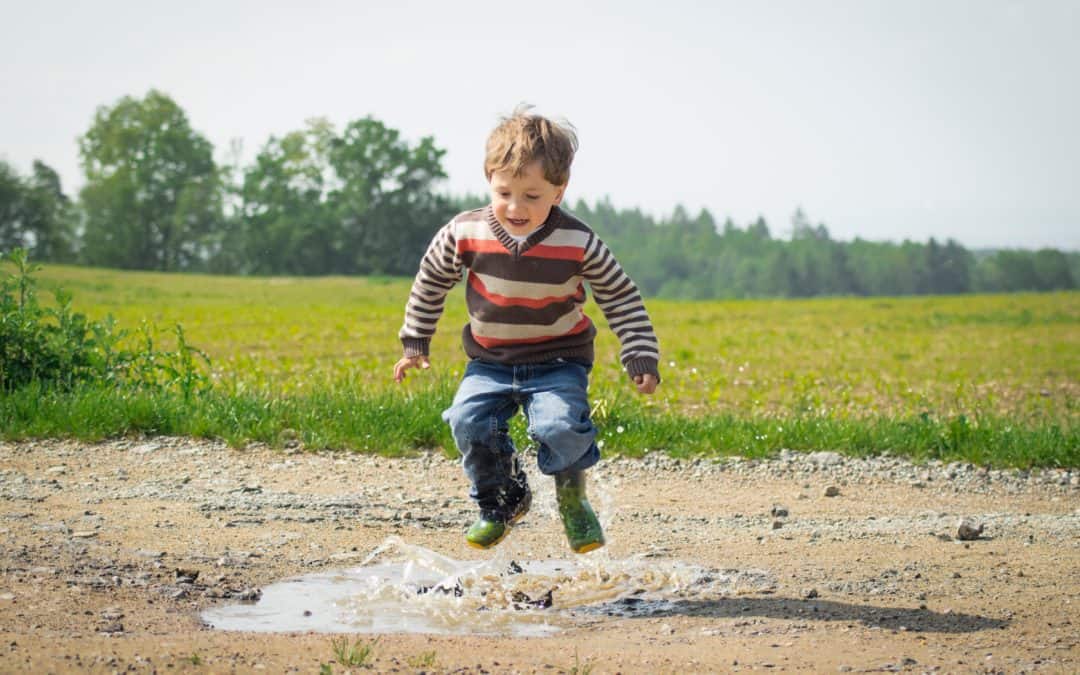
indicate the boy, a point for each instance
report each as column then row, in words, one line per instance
column 530, row 343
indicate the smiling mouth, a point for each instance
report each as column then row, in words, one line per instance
column 517, row 222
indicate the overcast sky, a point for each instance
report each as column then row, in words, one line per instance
column 885, row 120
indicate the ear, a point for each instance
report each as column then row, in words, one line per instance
column 560, row 193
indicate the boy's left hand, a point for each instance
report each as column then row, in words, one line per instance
column 646, row 383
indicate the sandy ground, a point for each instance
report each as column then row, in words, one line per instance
column 102, row 543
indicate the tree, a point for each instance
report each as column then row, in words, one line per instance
column 12, row 206
column 50, row 215
column 285, row 228
column 35, row 214
column 949, row 267
column 152, row 189
column 362, row 202
column 1052, row 270
column 385, row 200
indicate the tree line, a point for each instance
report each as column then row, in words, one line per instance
column 362, row 200
column 695, row 257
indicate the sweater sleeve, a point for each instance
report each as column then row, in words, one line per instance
column 620, row 301
column 440, row 270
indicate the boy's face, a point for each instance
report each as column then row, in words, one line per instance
column 522, row 203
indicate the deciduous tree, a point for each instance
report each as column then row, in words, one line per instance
column 152, row 189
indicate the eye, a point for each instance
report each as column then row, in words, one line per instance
column 532, row 197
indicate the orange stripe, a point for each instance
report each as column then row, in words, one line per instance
column 481, row 246
column 575, row 253
column 499, row 342
column 509, row 301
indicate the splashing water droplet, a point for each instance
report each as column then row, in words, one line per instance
column 403, row 588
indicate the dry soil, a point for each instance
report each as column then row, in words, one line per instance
column 111, row 551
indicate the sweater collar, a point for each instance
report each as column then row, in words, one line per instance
column 513, row 245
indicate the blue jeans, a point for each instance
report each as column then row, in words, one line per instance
column 554, row 396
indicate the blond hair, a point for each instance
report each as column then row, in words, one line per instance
column 524, row 138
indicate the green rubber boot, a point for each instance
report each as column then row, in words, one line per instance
column 491, row 528
column 583, row 530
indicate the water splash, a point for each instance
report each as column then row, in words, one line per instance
column 401, row 587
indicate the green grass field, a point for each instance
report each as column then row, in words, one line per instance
column 986, row 378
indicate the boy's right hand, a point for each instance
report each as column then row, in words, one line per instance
column 407, row 362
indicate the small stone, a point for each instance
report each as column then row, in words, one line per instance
column 810, row 593
column 777, row 524
column 249, row 595
column 825, row 458
column 186, row 576
column 968, row 530
column 779, row 511
column 832, row 491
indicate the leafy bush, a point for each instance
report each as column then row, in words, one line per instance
column 58, row 347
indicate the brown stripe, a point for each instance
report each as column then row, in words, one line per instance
column 535, row 270
column 485, row 310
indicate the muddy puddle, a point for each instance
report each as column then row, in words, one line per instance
column 403, row 588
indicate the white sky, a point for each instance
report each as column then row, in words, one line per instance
column 885, row 120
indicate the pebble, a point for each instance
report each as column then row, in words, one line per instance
column 832, row 491
column 968, row 529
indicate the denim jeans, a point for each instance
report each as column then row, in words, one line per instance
column 554, row 396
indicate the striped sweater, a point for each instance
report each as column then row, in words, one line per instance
column 526, row 300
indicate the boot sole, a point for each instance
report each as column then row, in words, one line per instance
column 585, row 548
column 509, row 526
column 493, row 544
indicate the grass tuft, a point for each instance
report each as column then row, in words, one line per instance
column 357, row 654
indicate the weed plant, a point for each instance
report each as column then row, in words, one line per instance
column 423, row 660
column 55, row 347
column 355, row 655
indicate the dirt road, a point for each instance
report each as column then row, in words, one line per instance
column 111, row 551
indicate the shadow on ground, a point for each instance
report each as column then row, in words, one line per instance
column 895, row 618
